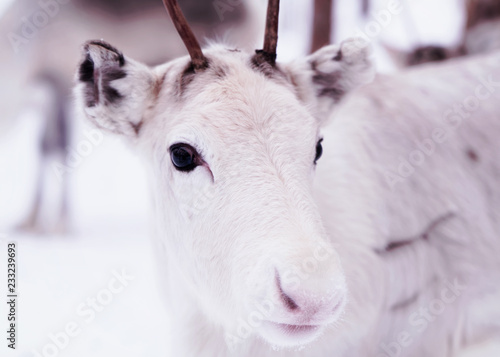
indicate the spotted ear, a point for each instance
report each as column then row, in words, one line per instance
column 324, row 77
column 112, row 90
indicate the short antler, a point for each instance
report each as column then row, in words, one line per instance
column 271, row 35
column 198, row 60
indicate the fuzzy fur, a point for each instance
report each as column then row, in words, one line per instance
column 258, row 208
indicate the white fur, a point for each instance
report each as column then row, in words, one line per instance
column 255, row 209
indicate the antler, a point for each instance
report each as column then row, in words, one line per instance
column 198, row 60
column 271, row 35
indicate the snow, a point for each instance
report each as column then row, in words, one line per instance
column 58, row 273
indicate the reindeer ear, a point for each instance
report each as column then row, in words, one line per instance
column 331, row 72
column 113, row 91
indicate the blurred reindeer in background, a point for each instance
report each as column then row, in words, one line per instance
column 40, row 51
column 481, row 34
column 483, row 26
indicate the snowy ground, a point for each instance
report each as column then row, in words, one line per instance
column 57, row 274
column 109, row 204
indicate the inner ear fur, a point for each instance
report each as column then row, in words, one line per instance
column 113, row 91
column 326, row 76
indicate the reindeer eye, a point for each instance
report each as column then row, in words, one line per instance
column 183, row 156
column 319, row 151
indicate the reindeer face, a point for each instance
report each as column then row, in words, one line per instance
column 233, row 150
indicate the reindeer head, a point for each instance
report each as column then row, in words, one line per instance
column 232, row 140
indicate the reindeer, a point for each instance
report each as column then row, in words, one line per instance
column 37, row 69
column 386, row 246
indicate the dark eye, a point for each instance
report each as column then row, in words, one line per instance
column 184, row 157
column 319, row 151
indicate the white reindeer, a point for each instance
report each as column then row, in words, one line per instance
column 38, row 63
column 385, row 247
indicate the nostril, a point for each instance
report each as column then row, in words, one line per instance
column 287, row 300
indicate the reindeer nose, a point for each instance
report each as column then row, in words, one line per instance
column 287, row 300
column 312, row 297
